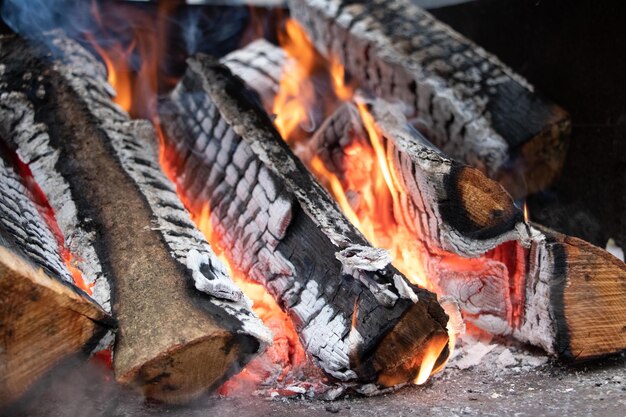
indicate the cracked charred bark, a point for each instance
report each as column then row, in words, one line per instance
column 356, row 315
column 183, row 324
column 43, row 316
column 464, row 99
column 510, row 277
column 260, row 64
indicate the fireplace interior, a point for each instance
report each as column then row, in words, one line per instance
column 307, row 207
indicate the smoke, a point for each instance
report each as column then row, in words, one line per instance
column 215, row 30
column 31, row 18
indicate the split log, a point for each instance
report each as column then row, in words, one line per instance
column 31, row 142
column 462, row 98
column 357, row 316
column 183, row 325
column 43, row 316
column 510, row 277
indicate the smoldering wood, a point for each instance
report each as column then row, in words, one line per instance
column 31, row 142
column 468, row 103
column 160, row 267
column 356, row 315
column 43, row 316
column 261, row 65
column 514, row 278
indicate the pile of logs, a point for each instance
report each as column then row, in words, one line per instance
column 465, row 101
column 510, row 277
column 547, row 290
column 97, row 251
column 183, row 326
column 357, row 316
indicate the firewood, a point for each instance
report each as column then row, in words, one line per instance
column 183, row 325
column 511, row 277
column 31, row 142
column 469, row 104
column 261, row 65
column 43, row 316
column 357, row 316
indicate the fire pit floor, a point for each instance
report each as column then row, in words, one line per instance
column 528, row 388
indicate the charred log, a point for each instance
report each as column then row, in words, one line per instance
column 43, row 316
column 465, row 100
column 260, row 64
column 509, row 276
column 356, row 315
column 158, row 264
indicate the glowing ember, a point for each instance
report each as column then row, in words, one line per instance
column 47, row 213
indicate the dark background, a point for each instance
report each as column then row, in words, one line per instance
column 574, row 52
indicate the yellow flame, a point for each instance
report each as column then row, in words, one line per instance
column 429, row 360
column 526, row 215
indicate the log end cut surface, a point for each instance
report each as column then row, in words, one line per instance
column 476, row 206
column 593, row 301
column 41, row 322
column 537, row 163
column 187, row 370
column 403, row 352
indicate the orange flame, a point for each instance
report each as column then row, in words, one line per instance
column 118, row 74
column 342, row 90
column 136, row 89
column 296, row 91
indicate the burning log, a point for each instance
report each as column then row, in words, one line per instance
column 31, row 142
column 356, row 315
column 160, row 267
column 465, row 100
column 43, row 316
column 511, row 277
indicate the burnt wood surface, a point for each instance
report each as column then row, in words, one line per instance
column 29, row 139
column 356, row 315
column 261, row 65
column 550, row 287
column 43, row 316
column 464, row 99
column 183, row 325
